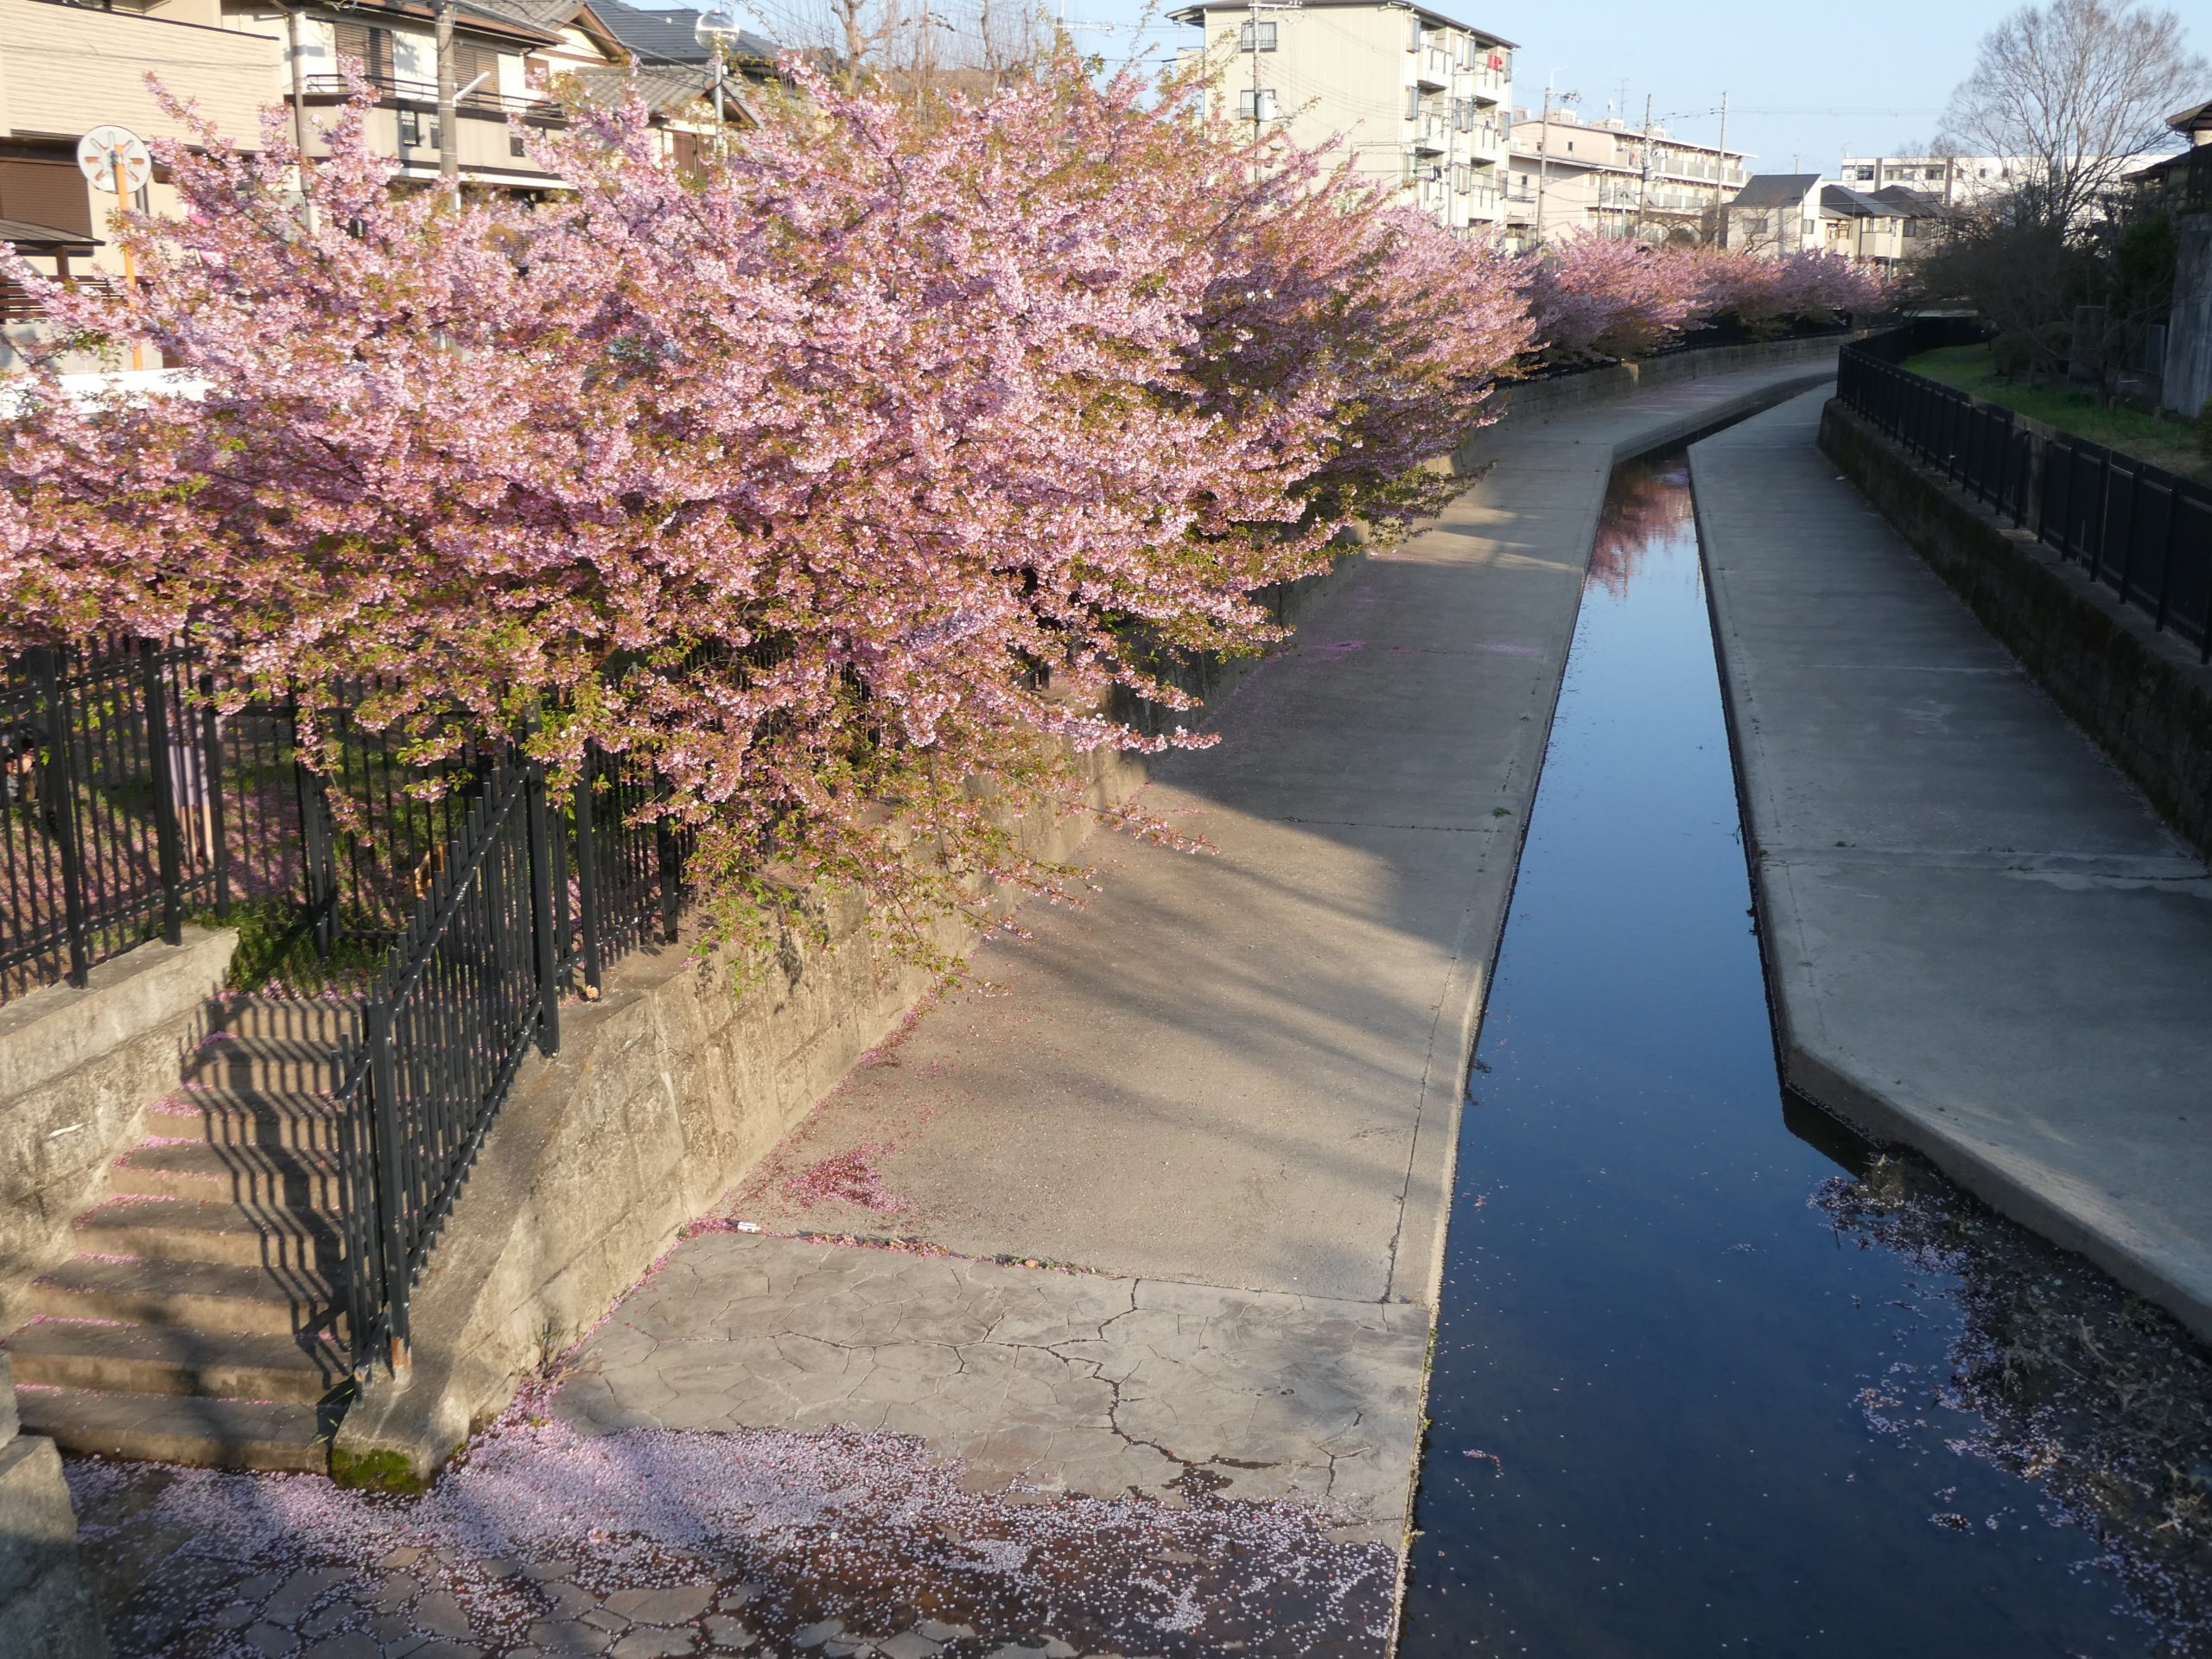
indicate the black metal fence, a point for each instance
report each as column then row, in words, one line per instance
column 129, row 804
column 474, row 980
column 2142, row 531
column 113, row 826
column 535, row 898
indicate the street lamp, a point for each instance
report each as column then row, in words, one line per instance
column 716, row 27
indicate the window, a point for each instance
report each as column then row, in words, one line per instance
column 515, row 145
column 418, row 130
column 470, row 59
column 1755, row 225
column 1265, row 98
column 1865, row 172
column 1413, row 103
column 1462, row 114
column 1267, row 32
column 1413, row 33
column 365, row 44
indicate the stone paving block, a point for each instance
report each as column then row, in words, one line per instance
column 675, row 1605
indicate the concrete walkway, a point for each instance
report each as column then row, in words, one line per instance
column 1981, row 941
column 1230, row 1086
column 1144, row 1376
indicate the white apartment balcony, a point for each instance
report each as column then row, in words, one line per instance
column 1491, row 86
column 405, row 125
column 1433, row 68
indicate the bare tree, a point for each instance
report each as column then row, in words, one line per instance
column 911, row 45
column 2071, row 92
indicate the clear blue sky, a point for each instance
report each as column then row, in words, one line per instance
column 1801, row 78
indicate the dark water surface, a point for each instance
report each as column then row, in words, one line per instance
column 1711, row 1377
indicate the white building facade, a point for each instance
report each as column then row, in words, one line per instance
column 1567, row 177
column 1418, row 100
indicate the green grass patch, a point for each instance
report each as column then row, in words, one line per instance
column 276, row 952
column 2167, row 444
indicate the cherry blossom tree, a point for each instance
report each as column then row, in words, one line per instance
column 1607, row 295
column 841, row 482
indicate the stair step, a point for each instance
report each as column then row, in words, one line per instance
column 207, row 1295
column 183, row 1429
column 195, row 1230
column 246, row 1117
column 234, row 1173
column 271, row 1062
column 159, row 1359
column 324, row 1020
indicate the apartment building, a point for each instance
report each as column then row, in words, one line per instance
column 1567, row 176
column 1953, row 180
column 66, row 68
column 1418, row 100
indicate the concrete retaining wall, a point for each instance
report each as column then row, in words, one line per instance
column 46, row 1605
column 78, row 1069
column 1537, row 400
column 2139, row 694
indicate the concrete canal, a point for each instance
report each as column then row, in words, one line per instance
column 1713, row 1375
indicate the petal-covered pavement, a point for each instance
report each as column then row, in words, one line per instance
column 779, row 1446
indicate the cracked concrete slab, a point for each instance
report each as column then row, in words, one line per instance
column 1058, row 1382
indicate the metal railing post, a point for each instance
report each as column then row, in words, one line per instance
column 671, row 879
column 211, row 763
column 317, row 854
column 60, row 794
column 536, row 822
column 587, row 873
column 168, row 851
column 383, row 1088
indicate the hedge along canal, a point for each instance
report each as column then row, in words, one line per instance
column 1712, row 1375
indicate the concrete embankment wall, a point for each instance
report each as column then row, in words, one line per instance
column 78, row 1069
column 1530, row 400
column 47, row 1608
column 2139, row 694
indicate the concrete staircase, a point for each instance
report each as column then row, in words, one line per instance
column 199, row 1322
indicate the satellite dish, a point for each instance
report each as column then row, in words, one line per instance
column 106, row 155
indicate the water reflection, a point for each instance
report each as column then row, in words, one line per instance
column 1694, row 1392
column 1649, row 507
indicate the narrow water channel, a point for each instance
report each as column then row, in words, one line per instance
column 1712, row 1377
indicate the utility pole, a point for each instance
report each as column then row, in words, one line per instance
column 299, row 113
column 1544, row 152
column 1720, row 172
column 1644, row 184
column 1255, row 26
column 1544, row 158
column 449, row 139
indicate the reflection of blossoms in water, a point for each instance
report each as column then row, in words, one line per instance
column 1646, row 506
column 2089, row 1392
